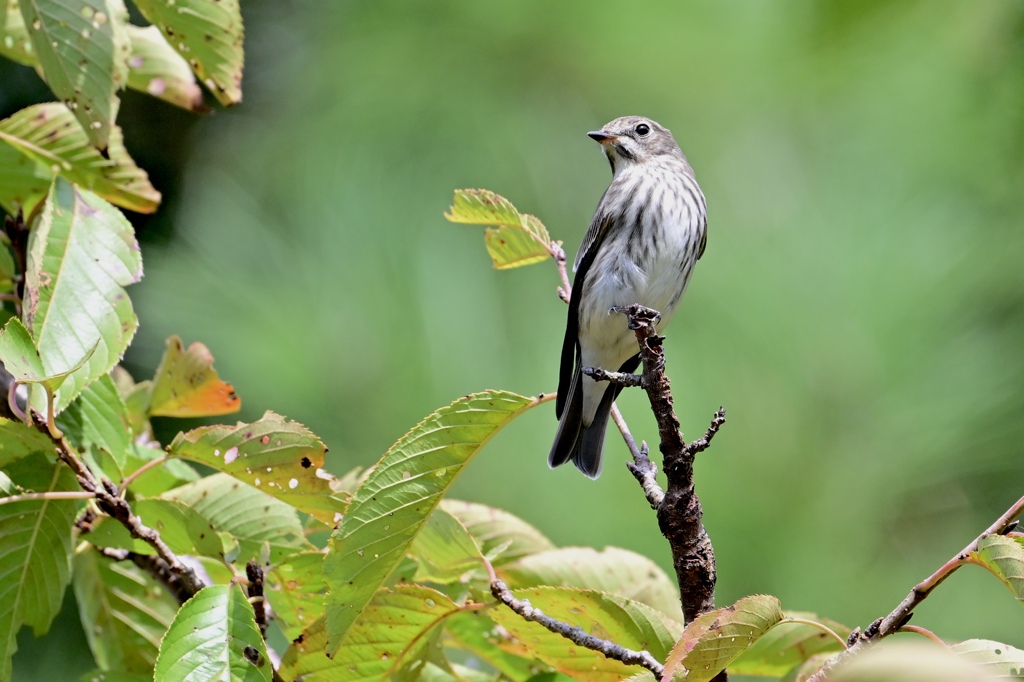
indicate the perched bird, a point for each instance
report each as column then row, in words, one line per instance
column 648, row 231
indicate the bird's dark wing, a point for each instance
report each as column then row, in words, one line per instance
column 703, row 240
column 570, row 344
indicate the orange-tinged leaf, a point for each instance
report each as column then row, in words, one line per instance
column 187, row 385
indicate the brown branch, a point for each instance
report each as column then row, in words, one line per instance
column 155, row 567
column 254, row 572
column 679, row 513
column 883, row 627
column 573, row 633
column 643, row 469
column 109, row 501
column 619, row 378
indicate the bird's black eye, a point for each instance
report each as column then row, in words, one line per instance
column 642, row 129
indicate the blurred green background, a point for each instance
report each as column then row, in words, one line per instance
column 859, row 310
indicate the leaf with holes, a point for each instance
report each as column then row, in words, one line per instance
column 124, row 612
column 155, row 68
column 208, row 34
column 82, row 253
column 715, row 639
column 392, row 504
column 1004, row 557
column 82, row 48
column 392, row 635
column 513, row 239
column 49, row 135
column 35, row 550
column 253, row 518
column 613, row 570
column 187, row 385
column 214, row 637
column 626, row 622
column 280, row 457
column 492, row 528
column 14, row 41
column 1001, row 660
column 787, row 645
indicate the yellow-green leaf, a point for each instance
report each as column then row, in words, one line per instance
column 513, row 239
column 83, row 50
column 1004, row 556
column 155, row 68
column 49, row 135
column 394, row 501
column 208, row 34
column 715, row 639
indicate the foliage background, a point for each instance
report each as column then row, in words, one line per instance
column 859, row 311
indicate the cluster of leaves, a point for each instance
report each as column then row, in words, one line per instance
column 369, row 576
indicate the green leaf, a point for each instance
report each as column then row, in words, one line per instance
column 444, row 549
column 214, row 638
column 250, row 516
column 207, row 33
column 23, row 182
column 35, row 550
column 392, row 504
column 613, row 570
column 513, row 239
column 187, row 385
column 474, row 632
column 19, row 440
column 183, row 529
column 904, row 661
column 1004, row 557
column 82, row 253
column 83, row 50
column 295, row 589
column 97, row 420
column 49, row 135
column 1000, row 660
column 492, row 528
column 787, row 645
column 113, row 676
column 155, row 68
column 25, row 363
column 280, row 457
column 14, row 41
column 623, row 621
column 715, row 639
column 124, row 612
column 392, row 634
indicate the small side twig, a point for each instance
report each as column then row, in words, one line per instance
column 704, row 442
column 573, row 633
column 883, row 627
column 620, row 378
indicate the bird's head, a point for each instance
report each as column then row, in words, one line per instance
column 634, row 140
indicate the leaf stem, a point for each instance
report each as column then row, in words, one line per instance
column 55, row 495
column 151, row 464
column 924, row 632
column 815, row 624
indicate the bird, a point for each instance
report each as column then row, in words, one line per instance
column 645, row 238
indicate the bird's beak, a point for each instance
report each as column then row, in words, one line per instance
column 601, row 136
